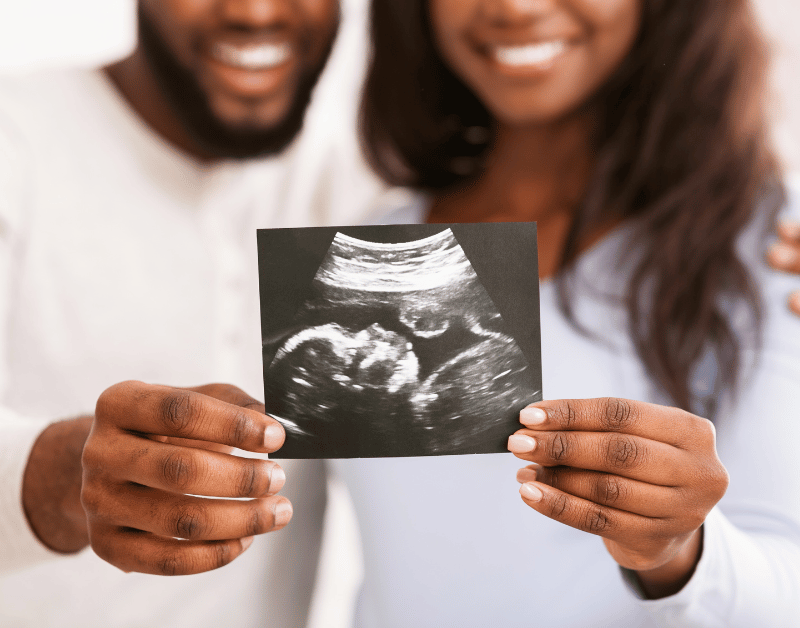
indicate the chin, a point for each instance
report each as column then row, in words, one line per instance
column 248, row 116
column 526, row 112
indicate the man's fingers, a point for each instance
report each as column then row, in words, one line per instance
column 187, row 517
column 134, row 550
column 187, row 414
column 789, row 231
column 606, row 489
column 230, row 394
column 794, row 302
column 785, row 253
column 785, row 257
column 667, row 425
column 194, row 471
column 609, row 452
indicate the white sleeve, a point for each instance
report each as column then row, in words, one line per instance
column 749, row 573
column 743, row 579
column 18, row 545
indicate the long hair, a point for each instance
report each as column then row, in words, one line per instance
column 681, row 146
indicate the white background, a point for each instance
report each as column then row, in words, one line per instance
column 51, row 33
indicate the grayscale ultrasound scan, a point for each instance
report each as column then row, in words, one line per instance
column 399, row 340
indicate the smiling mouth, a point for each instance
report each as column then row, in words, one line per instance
column 252, row 57
column 529, row 55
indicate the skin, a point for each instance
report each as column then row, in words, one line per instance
column 123, row 479
column 643, row 477
column 785, row 255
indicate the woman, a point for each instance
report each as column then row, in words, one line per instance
column 633, row 133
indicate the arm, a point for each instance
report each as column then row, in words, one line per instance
column 18, row 545
column 106, row 498
column 51, row 486
column 749, row 573
column 747, row 570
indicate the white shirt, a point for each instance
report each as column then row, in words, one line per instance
column 448, row 541
column 121, row 258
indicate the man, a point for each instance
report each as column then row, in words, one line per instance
column 129, row 200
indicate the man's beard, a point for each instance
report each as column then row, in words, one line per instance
column 184, row 94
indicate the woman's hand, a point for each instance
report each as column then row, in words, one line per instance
column 785, row 255
column 643, row 477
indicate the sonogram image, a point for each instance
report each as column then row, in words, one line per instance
column 395, row 349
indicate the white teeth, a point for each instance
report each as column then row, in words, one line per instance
column 260, row 57
column 532, row 54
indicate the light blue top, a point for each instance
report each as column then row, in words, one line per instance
column 448, row 541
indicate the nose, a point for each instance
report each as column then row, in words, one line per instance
column 256, row 13
column 515, row 12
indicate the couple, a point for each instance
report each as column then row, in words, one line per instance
column 632, row 132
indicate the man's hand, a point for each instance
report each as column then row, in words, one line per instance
column 152, row 451
column 643, row 477
column 785, row 255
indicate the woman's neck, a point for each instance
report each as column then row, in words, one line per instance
column 532, row 174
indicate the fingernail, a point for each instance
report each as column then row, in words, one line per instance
column 530, row 492
column 526, row 475
column 273, row 436
column 247, row 542
column 521, row 444
column 783, row 255
column 533, row 416
column 277, row 478
column 790, row 229
column 283, row 512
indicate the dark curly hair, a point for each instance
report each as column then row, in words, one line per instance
column 681, row 145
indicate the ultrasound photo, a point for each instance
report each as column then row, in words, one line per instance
column 399, row 340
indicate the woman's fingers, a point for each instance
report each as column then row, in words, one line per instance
column 611, row 415
column 644, row 477
column 589, row 516
column 134, row 550
column 606, row 489
column 609, row 452
column 195, row 471
column 192, row 518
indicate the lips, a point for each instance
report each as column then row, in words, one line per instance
column 538, row 55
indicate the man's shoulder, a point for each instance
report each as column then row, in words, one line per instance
column 27, row 100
